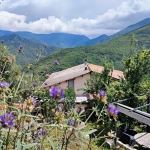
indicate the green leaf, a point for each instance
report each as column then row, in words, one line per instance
column 30, row 116
column 18, row 110
column 19, row 146
column 89, row 132
column 29, row 146
column 76, row 134
column 51, row 143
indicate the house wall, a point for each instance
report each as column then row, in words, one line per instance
column 63, row 85
column 79, row 83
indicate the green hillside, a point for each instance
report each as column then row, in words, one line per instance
column 30, row 48
column 113, row 50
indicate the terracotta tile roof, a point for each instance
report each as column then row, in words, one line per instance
column 95, row 68
column 115, row 74
column 74, row 72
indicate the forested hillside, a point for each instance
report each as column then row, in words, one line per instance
column 114, row 50
column 30, row 49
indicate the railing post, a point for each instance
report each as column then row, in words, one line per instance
column 115, row 127
column 148, row 111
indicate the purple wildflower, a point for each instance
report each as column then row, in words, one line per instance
column 9, row 58
column 34, row 100
column 4, row 84
column 59, row 110
column 54, row 91
column 78, row 109
column 7, row 120
column 70, row 123
column 34, row 84
column 73, row 108
column 46, row 132
column 116, row 111
column 60, row 105
column 102, row 93
column 62, row 92
column 43, row 132
column 20, row 48
column 112, row 109
column 56, row 62
column 46, row 68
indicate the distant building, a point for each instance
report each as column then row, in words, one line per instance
column 75, row 77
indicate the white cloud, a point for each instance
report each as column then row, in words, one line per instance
column 129, row 11
column 19, row 3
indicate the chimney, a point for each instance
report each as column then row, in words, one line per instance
column 86, row 64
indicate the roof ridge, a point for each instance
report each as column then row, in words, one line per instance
column 67, row 69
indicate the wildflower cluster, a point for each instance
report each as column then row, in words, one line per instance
column 56, row 92
column 30, row 103
column 43, row 132
column 20, row 49
column 10, row 59
column 102, row 97
column 56, row 62
column 47, row 76
column 7, row 120
column 4, row 84
column 59, row 114
column 46, row 68
column 34, row 84
column 75, row 116
column 70, row 123
column 112, row 110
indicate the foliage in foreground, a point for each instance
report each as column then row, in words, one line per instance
column 34, row 118
column 47, row 118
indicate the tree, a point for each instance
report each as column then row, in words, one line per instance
column 100, row 81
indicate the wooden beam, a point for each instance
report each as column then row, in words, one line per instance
column 136, row 114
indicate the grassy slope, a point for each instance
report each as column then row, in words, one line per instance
column 113, row 50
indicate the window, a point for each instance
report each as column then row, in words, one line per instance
column 71, row 83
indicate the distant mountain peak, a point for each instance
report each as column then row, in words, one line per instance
column 68, row 40
column 133, row 27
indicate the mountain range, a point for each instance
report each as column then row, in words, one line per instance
column 65, row 40
column 61, row 40
column 104, row 38
column 115, row 50
column 102, row 46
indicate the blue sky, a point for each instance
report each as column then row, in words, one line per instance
column 86, row 17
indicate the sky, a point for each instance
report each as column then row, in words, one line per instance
column 91, row 18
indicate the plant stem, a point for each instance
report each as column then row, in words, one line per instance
column 19, row 83
column 15, row 140
column 67, row 139
column 63, row 141
column 7, row 139
column 90, row 115
column 100, row 114
column 3, row 68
